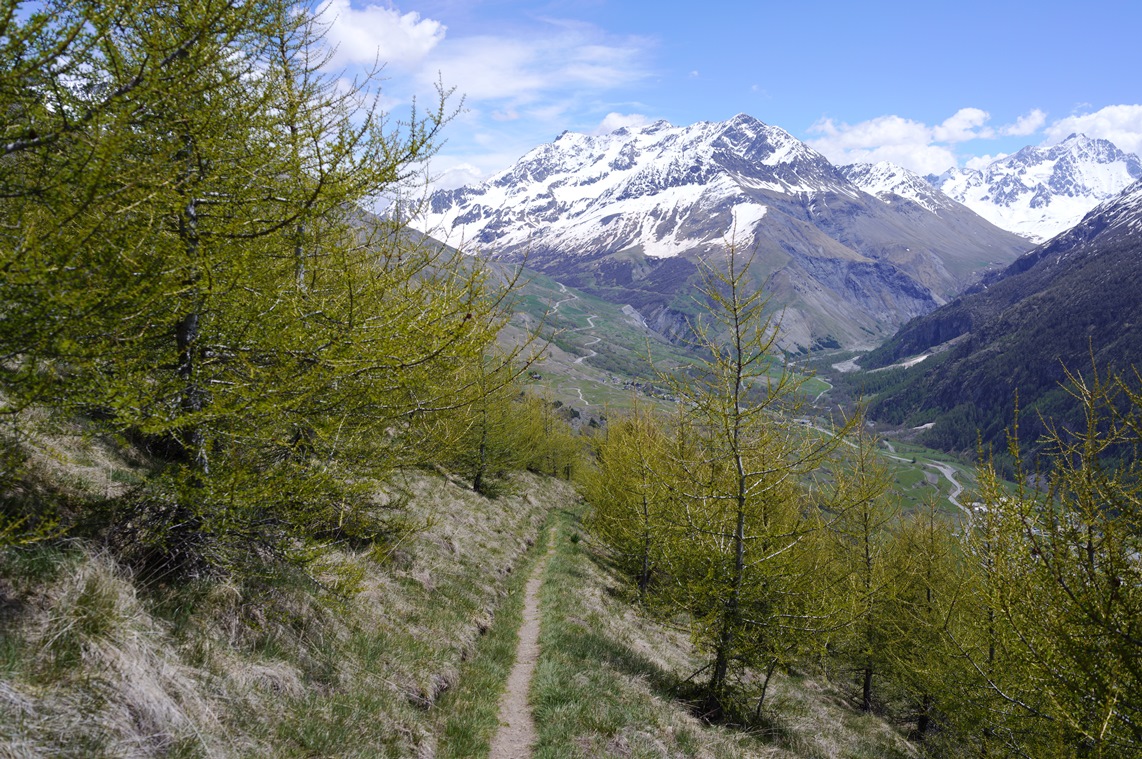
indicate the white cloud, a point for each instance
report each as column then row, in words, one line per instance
column 963, row 125
column 561, row 60
column 981, row 161
column 923, row 148
column 1121, row 124
column 459, row 176
column 520, row 85
column 902, row 141
column 1026, row 124
column 378, row 34
column 614, row 121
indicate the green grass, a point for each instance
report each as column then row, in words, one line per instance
column 592, row 692
column 609, row 680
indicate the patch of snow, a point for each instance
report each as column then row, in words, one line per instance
column 650, row 188
column 745, row 218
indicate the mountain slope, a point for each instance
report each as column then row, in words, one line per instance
column 1072, row 299
column 1042, row 191
column 628, row 216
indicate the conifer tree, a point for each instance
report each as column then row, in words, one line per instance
column 745, row 570
column 867, row 577
column 1071, row 591
column 923, row 609
column 629, row 503
column 190, row 259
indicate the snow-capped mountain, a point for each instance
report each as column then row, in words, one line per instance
column 650, row 188
column 1042, row 191
column 888, row 182
column 626, row 215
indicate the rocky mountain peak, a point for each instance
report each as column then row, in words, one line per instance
column 1041, row 191
column 887, row 181
column 629, row 214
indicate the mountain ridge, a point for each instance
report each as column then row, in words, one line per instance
column 1041, row 191
column 1069, row 302
column 630, row 215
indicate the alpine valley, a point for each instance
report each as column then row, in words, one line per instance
column 849, row 254
column 1013, row 338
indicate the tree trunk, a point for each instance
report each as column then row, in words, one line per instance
column 730, row 617
column 866, row 690
column 924, row 717
column 482, row 460
column 765, row 687
column 644, row 574
column 186, row 338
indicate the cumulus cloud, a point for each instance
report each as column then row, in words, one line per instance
column 963, row 125
column 923, row 148
column 1029, row 123
column 896, row 139
column 375, row 33
column 981, row 161
column 458, row 176
column 520, row 84
column 1121, row 124
column 614, row 121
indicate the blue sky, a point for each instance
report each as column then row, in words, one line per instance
column 925, row 83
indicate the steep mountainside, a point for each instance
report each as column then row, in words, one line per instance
column 1042, row 191
column 1077, row 296
column 627, row 215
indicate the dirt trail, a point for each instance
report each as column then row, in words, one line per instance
column 517, row 729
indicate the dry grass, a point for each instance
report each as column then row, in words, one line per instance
column 97, row 674
column 91, row 665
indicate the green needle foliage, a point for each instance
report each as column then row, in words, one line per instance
column 922, row 610
column 1066, row 598
column 746, row 570
column 188, row 260
column 714, row 501
column 631, row 503
column 867, row 572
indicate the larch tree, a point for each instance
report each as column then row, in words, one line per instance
column 629, row 502
column 924, row 609
column 190, row 259
column 745, row 571
column 1073, row 606
column 866, row 576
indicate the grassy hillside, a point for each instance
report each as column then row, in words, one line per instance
column 402, row 654
column 599, row 356
column 95, row 663
column 613, row 683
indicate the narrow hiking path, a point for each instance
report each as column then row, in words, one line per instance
column 517, row 728
column 580, row 392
